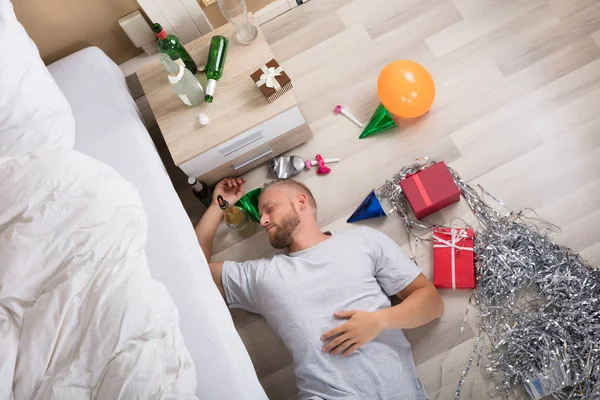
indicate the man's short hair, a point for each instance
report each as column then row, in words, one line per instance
column 301, row 187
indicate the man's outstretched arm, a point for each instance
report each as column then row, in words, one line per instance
column 421, row 303
column 232, row 190
column 207, row 227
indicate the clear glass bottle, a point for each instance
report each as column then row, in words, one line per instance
column 235, row 217
column 183, row 82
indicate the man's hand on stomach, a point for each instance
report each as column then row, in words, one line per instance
column 361, row 328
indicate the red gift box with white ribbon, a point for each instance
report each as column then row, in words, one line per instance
column 453, row 258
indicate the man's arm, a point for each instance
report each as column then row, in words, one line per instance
column 421, row 303
column 216, row 269
column 231, row 189
column 207, row 227
column 205, row 232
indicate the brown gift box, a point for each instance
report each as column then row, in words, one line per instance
column 272, row 80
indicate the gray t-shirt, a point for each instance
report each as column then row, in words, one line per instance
column 298, row 293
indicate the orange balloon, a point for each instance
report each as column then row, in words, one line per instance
column 406, row 89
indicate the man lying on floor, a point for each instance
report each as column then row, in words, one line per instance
column 324, row 279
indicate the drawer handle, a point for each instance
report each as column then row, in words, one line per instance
column 241, row 144
column 250, row 161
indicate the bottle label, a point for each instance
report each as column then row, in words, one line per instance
column 179, row 61
column 185, row 99
column 210, row 87
column 175, row 79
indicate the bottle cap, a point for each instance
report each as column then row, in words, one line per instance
column 159, row 31
column 203, row 119
column 191, row 180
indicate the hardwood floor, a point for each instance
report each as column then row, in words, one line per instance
column 517, row 111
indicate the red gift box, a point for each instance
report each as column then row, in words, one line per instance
column 453, row 263
column 430, row 190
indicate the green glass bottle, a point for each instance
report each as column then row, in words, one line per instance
column 171, row 45
column 215, row 64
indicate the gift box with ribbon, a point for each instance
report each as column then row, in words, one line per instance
column 453, row 258
column 430, row 190
column 272, row 80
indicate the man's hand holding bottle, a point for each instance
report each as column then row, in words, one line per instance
column 232, row 189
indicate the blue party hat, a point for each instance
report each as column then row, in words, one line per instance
column 369, row 208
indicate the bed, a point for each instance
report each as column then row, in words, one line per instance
column 109, row 128
column 104, row 291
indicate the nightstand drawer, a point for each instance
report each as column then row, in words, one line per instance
column 244, row 143
column 259, row 155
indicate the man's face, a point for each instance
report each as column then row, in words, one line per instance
column 279, row 216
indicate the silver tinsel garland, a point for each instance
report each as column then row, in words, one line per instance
column 539, row 302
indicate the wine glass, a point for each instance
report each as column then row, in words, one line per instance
column 236, row 12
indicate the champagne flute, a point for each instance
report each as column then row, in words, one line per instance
column 236, row 12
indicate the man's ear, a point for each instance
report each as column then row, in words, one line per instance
column 302, row 201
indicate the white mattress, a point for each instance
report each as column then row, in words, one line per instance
column 109, row 128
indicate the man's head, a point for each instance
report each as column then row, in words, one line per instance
column 285, row 206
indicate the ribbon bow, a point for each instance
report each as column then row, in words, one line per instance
column 456, row 236
column 268, row 77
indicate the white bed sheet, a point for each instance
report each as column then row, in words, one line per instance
column 109, row 128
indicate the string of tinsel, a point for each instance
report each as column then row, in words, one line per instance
column 539, row 302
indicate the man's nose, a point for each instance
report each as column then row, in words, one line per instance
column 264, row 220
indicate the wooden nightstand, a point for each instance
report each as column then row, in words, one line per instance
column 245, row 130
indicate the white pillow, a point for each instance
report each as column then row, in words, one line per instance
column 34, row 114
